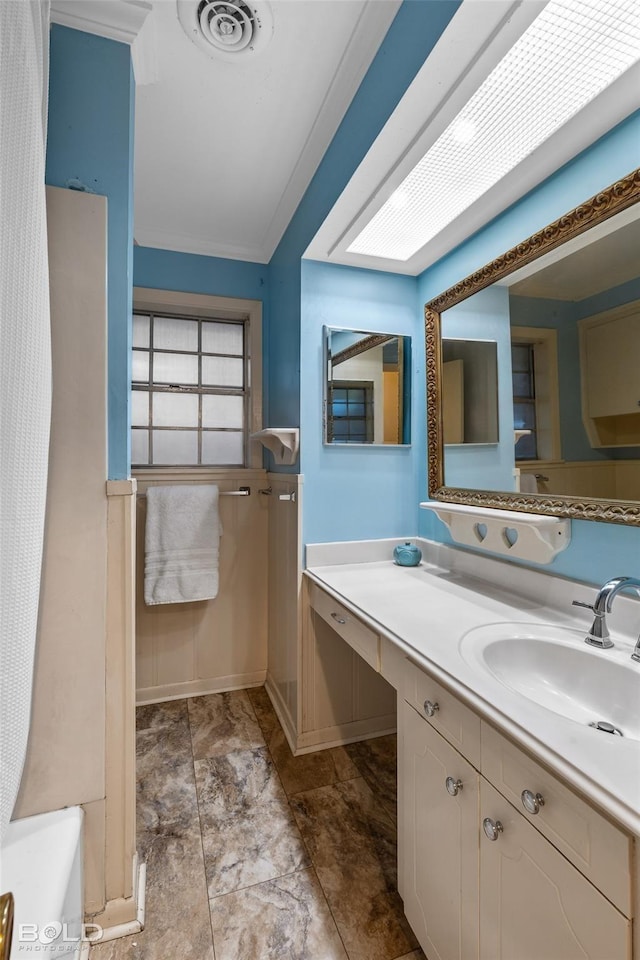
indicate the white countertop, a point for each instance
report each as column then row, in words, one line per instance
column 426, row 610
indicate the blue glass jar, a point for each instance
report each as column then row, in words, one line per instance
column 407, row 555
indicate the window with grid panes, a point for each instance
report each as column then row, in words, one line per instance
column 189, row 391
column 351, row 411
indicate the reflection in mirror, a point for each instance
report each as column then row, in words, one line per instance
column 572, row 368
column 367, row 387
column 469, row 391
column 567, row 330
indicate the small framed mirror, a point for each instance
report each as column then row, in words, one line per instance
column 367, row 388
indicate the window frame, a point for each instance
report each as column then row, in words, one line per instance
column 367, row 388
column 207, row 307
column 544, row 344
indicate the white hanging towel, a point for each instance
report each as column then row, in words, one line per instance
column 182, row 539
column 529, row 483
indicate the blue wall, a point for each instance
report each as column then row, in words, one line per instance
column 597, row 551
column 413, row 33
column 192, row 273
column 354, row 493
column 90, row 146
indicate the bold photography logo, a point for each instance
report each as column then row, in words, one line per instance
column 32, row 936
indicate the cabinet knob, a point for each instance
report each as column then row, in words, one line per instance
column 338, row 618
column 453, row 786
column 532, row 801
column 492, row 828
column 431, row 708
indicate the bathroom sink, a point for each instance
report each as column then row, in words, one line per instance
column 553, row 667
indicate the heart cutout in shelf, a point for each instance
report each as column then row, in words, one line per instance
column 510, row 536
column 480, row 530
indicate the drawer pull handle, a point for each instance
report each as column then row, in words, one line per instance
column 532, row 801
column 453, row 786
column 431, row 708
column 338, row 618
column 492, row 828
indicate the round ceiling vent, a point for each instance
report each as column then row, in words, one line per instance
column 227, row 29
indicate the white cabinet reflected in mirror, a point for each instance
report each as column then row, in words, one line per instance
column 367, row 387
column 469, row 391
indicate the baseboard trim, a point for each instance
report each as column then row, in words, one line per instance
column 283, row 715
column 199, row 688
column 336, row 736
column 113, row 927
column 345, row 733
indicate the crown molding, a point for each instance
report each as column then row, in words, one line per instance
column 115, row 19
column 178, row 243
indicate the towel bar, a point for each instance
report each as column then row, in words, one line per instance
column 242, row 492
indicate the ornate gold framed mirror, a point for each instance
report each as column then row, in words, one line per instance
column 564, row 309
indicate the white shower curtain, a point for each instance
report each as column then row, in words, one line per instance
column 25, row 370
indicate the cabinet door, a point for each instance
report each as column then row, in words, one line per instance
column 534, row 905
column 440, row 842
column 613, row 367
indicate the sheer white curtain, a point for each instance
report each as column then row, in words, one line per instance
column 25, row 370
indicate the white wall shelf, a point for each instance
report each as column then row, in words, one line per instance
column 283, row 442
column 525, row 536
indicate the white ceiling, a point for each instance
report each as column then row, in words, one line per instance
column 224, row 151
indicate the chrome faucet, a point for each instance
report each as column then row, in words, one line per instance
column 598, row 636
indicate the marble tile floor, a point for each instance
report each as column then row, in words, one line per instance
column 254, row 854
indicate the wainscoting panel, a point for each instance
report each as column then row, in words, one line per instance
column 285, row 563
column 627, row 479
column 607, row 479
column 189, row 649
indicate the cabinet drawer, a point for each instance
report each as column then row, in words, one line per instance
column 600, row 850
column 363, row 640
column 456, row 722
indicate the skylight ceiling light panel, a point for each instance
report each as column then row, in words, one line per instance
column 568, row 55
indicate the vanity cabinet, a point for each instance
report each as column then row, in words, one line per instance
column 357, row 634
column 344, row 693
column 482, row 878
column 598, row 848
column 534, row 905
column 439, row 793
